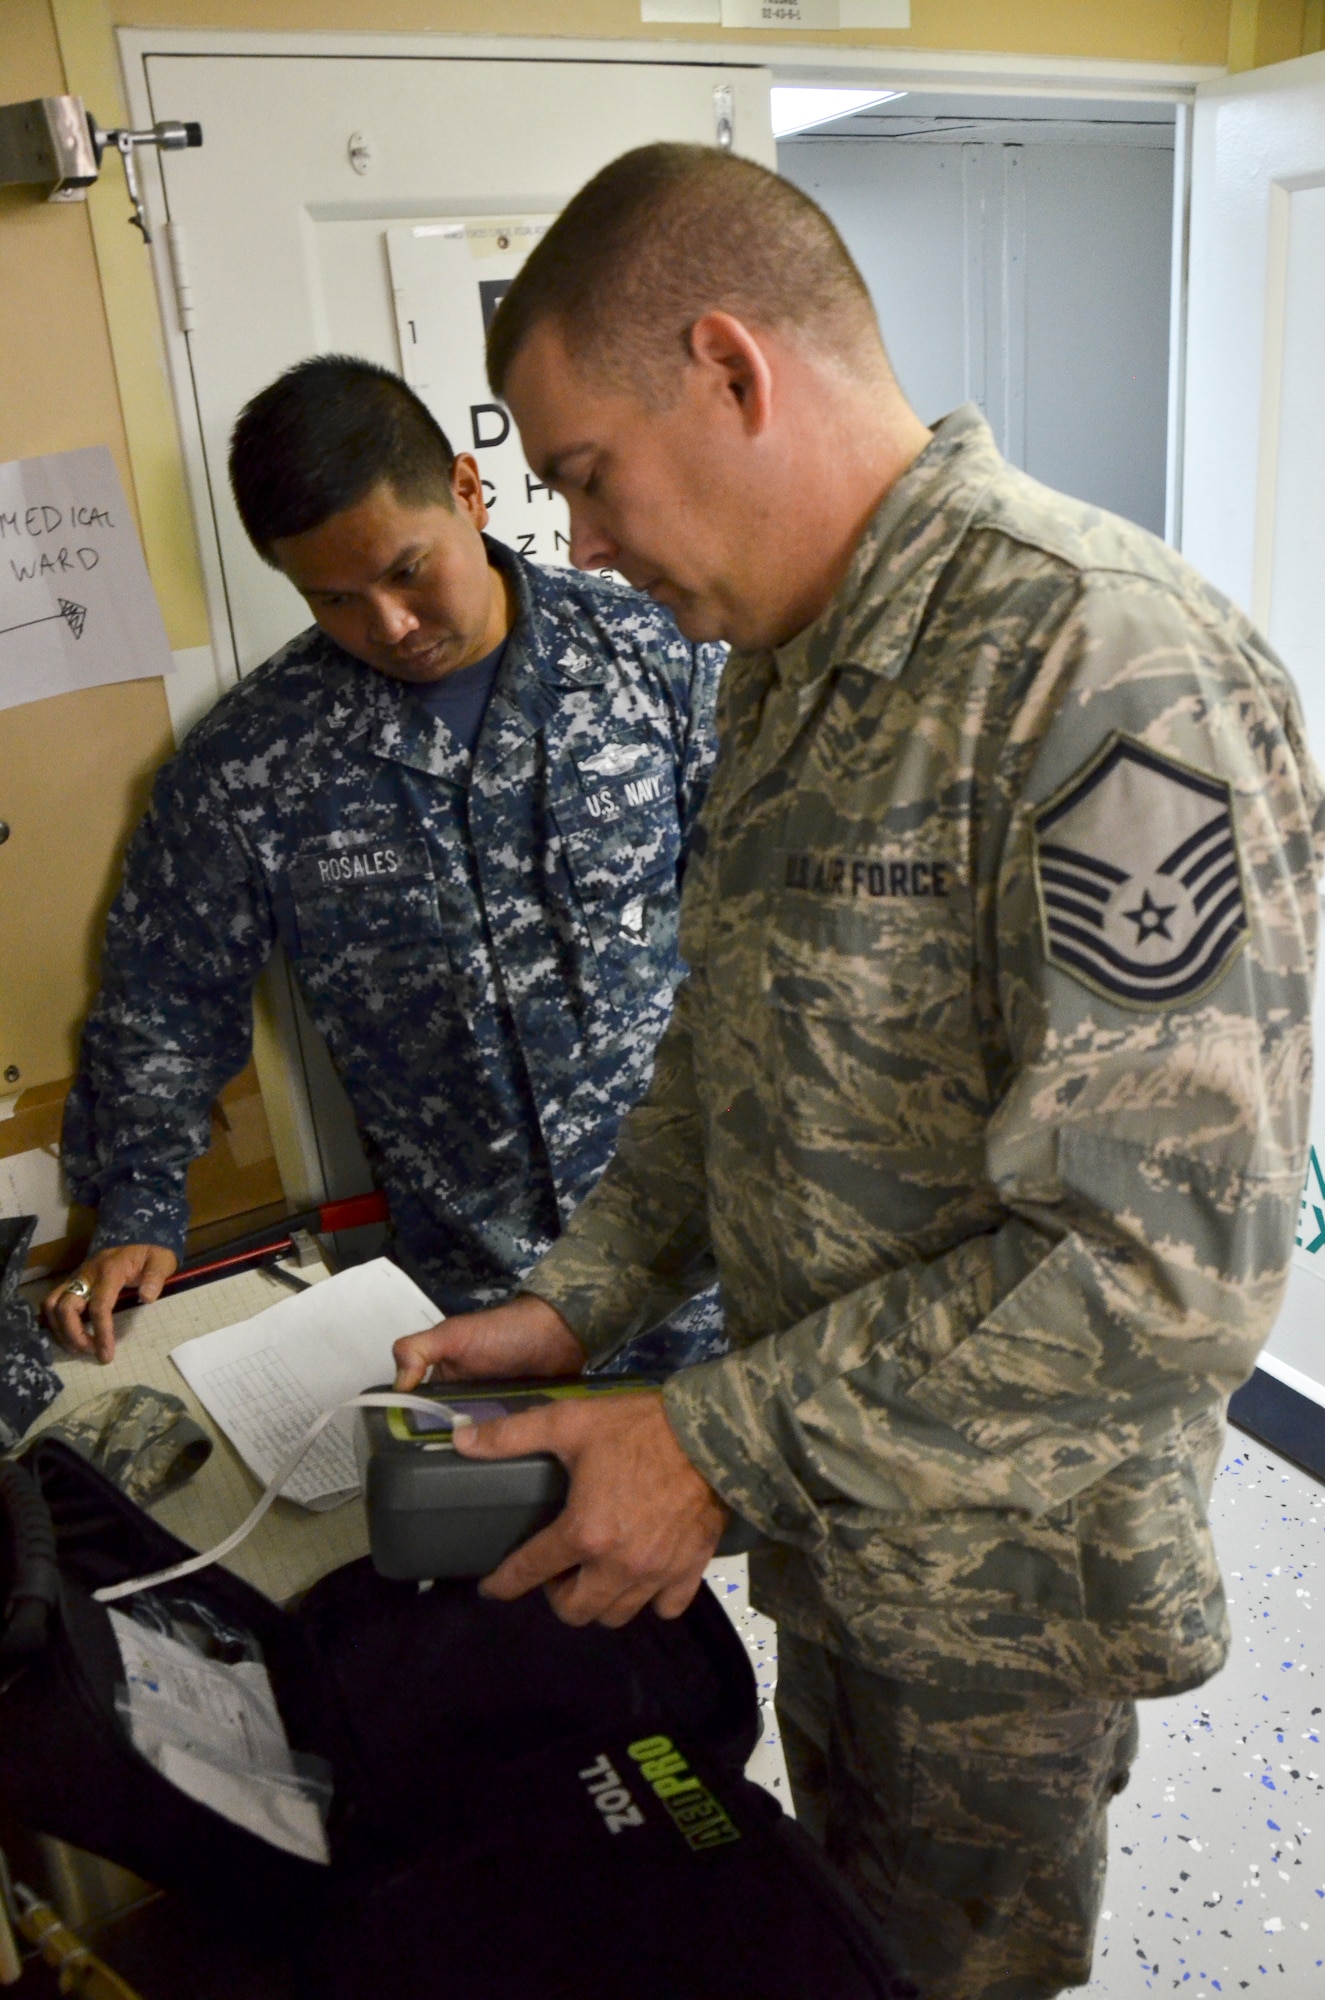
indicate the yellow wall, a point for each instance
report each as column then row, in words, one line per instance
column 1272, row 31
column 1180, row 31
column 57, row 377
column 74, row 770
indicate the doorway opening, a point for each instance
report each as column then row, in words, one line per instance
column 1020, row 255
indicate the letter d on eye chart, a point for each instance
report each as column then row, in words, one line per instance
column 76, row 605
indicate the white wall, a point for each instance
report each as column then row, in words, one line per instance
column 1099, row 223
column 1026, row 272
column 901, row 212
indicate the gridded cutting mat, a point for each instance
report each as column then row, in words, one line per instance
column 291, row 1547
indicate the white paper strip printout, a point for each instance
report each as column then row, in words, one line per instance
column 32, row 1184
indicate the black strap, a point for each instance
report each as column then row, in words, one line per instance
column 34, row 1576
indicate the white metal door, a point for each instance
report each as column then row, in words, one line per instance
column 320, row 178
column 1254, row 476
column 281, row 220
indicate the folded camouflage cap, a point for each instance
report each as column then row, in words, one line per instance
column 143, row 1440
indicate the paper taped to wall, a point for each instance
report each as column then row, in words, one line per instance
column 76, row 605
column 447, row 278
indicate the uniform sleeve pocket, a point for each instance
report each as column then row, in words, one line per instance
column 634, row 939
column 619, row 825
column 1051, row 1386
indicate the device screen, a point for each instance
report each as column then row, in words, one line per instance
column 425, row 1422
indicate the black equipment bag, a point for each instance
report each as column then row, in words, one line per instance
column 68, row 1766
column 540, row 1891
column 455, row 1729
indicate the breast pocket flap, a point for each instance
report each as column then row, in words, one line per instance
column 373, row 893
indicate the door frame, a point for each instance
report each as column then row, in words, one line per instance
column 282, row 1058
column 919, row 69
column 1280, row 1405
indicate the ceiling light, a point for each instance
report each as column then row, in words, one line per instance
column 796, row 109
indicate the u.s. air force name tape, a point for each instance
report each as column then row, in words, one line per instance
column 385, row 1399
column 1139, row 880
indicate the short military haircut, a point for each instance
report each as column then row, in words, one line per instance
column 666, row 234
column 321, row 437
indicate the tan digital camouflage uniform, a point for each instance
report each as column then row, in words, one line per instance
column 143, row 1440
column 973, row 1823
column 989, row 1085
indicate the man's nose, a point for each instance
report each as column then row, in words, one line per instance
column 391, row 620
column 590, row 546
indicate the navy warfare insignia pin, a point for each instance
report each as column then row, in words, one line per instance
column 1136, row 863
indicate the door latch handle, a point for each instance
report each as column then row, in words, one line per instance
column 170, row 135
column 56, row 142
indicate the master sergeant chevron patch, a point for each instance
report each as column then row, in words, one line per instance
column 1139, row 882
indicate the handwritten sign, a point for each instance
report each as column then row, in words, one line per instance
column 76, row 605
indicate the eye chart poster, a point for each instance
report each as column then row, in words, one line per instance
column 448, row 278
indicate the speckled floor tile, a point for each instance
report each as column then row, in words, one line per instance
column 729, row 1577
column 1216, row 1879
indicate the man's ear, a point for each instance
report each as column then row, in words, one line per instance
column 467, row 489
column 737, row 365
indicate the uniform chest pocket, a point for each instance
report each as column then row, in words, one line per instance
column 373, row 895
column 616, row 817
column 616, row 814
column 896, row 963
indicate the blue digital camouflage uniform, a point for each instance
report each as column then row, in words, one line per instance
column 27, row 1380
column 488, row 945
column 989, row 1086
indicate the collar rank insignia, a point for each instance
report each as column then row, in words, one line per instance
column 1140, row 889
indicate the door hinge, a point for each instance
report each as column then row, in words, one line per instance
column 179, row 271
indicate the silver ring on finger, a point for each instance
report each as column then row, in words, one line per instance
column 78, row 1288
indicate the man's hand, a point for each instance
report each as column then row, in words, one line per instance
column 524, row 1337
column 84, row 1325
column 638, row 1526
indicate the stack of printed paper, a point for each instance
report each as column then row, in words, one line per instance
column 267, row 1379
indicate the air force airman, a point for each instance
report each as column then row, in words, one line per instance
column 987, row 1086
